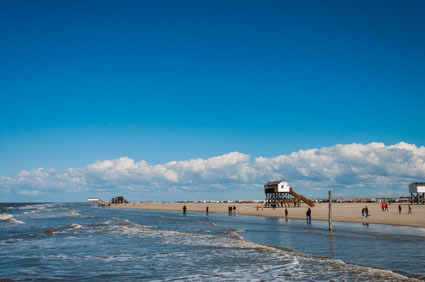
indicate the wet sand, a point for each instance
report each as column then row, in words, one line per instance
column 341, row 211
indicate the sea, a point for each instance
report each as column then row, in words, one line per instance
column 78, row 241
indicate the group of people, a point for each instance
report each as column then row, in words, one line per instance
column 384, row 206
column 409, row 209
column 232, row 210
column 365, row 212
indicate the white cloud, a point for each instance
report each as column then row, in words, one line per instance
column 29, row 192
column 369, row 166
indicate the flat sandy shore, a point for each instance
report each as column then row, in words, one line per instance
column 340, row 211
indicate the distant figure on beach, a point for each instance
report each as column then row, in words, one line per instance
column 383, row 206
column 410, row 209
column 366, row 211
column 258, row 207
column 184, row 209
column 262, row 207
column 286, row 212
column 230, row 210
column 362, row 212
column 308, row 215
column 386, row 207
column 234, row 209
column 206, row 209
column 399, row 209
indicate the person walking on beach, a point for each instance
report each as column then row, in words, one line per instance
column 386, row 207
column 234, row 209
column 410, row 209
column 308, row 215
column 206, row 209
column 399, row 209
column 362, row 212
column 262, row 207
column 366, row 211
column 258, row 207
column 286, row 212
column 184, row 209
column 383, row 206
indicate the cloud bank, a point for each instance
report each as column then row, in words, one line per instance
column 372, row 166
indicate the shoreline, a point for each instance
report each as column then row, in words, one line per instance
column 341, row 212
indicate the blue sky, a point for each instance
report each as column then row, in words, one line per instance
column 163, row 81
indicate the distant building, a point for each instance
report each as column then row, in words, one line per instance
column 119, row 200
column 93, row 200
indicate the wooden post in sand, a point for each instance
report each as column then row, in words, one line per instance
column 330, row 210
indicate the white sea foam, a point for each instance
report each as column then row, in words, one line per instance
column 36, row 206
column 17, row 221
column 237, row 235
column 9, row 218
column 73, row 213
column 27, row 207
column 5, row 216
column 30, row 212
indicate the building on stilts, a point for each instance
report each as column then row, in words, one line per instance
column 280, row 194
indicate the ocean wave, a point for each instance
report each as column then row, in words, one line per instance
column 64, row 229
column 304, row 267
column 36, row 206
column 130, row 226
column 236, row 235
column 73, row 213
column 30, row 212
column 9, row 218
column 49, row 231
column 5, row 216
column 188, row 255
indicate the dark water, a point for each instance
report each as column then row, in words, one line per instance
column 78, row 241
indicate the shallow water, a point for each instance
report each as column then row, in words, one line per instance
column 79, row 241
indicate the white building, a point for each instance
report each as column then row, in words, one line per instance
column 417, row 187
column 93, row 199
column 276, row 187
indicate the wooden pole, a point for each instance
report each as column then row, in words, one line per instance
column 330, row 210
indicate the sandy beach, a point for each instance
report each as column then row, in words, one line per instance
column 341, row 211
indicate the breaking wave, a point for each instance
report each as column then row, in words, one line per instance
column 9, row 218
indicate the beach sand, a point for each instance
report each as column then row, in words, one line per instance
column 340, row 211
